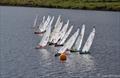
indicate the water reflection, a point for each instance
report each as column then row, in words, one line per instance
column 88, row 62
column 83, row 62
column 44, row 54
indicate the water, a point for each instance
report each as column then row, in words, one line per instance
column 19, row 59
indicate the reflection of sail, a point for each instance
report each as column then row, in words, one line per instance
column 88, row 62
column 82, row 63
column 45, row 54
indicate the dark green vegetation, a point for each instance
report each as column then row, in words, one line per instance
column 113, row 5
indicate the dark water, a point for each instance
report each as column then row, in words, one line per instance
column 19, row 59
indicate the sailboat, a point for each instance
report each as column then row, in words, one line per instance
column 61, row 33
column 78, row 43
column 72, row 40
column 64, row 29
column 55, row 29
column 35, row 21
column 62, row 41
column 56, row 34
column 68, row 44
column 88, row 43
column 37, row 30
column 42, row 28
column 45, row 38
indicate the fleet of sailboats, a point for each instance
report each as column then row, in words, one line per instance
column 59, row 35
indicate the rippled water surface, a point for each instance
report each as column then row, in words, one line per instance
column 19, row 59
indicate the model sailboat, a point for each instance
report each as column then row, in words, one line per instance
column 37, row 30
column 60, row 34
column 45, row 38
column 56, row 33
column 54, row 29
column 88, row 43
column 42, row 27
column 62, row 41
column 68, row 44
column 78, row 43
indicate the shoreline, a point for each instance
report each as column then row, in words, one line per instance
column 95, row 6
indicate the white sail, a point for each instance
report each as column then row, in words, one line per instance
column 69, row 43
column 35, row 21
column 45, row 38
column 62, row 41
column 72, row 39
column 64, row 29
column 55, row 28
column 43, row 28
column 42, row 23
column 58, row 21
column 56, row 33
column 50, row 23
column 89, row 41
column 60, row 34
column 59, row 27
column 79, row 40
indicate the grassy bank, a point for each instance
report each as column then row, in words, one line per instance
column 112, row 5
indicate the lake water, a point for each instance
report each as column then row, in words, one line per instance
column 20, row 59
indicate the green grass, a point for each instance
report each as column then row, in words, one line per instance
column 113, row 5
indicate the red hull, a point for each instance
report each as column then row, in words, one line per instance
column 39, row 47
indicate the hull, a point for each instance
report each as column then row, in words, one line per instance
column 84, row 52
column 39, row 47
column 57, row 54
column 39, row 32
column 74, row 51
column 57, row 45
column 79, row 51
column 51, row 43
